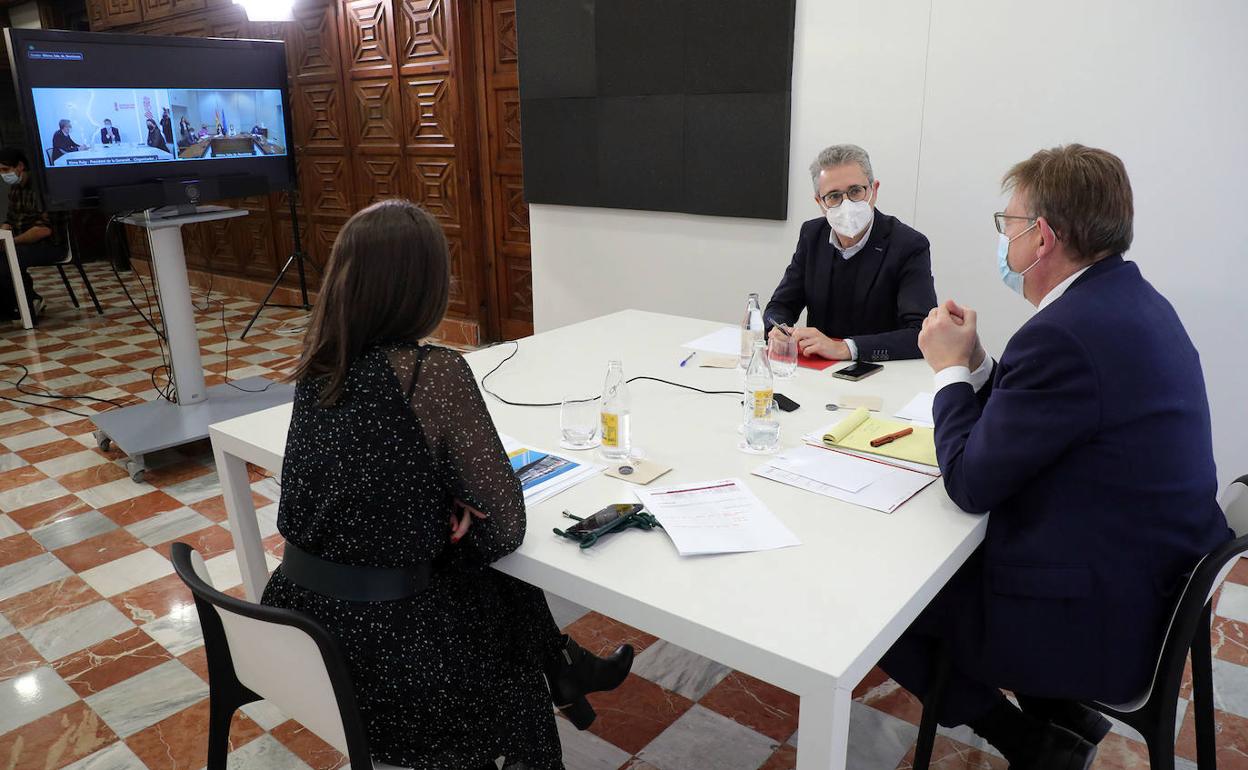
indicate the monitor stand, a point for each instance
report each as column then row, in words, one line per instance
column 154, row 425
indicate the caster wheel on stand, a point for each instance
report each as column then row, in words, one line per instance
column 102, row 441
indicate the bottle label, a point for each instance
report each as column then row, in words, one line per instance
column 610, row 429
column 762, row 402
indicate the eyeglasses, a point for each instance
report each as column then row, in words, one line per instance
column 856, row 193
column 1000, row 217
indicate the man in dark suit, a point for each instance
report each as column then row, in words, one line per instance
column 61, row 140
column 864, row 278
column 1090, row 442
column 108, row 134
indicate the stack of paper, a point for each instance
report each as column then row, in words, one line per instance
column 725, row 341
column 919, row 410
column 545, row 474
column 843, row 476
column 721, row 516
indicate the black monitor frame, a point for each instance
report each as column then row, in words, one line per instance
column 159, row 173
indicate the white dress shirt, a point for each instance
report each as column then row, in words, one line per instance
column 978, row 378
column 846, row 253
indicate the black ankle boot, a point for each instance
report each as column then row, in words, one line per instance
column 576, row 672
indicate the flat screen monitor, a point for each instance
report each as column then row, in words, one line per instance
column 111, row 111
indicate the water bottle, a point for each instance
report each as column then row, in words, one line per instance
column 751, row 329
column 762, row 427
column 616, row 433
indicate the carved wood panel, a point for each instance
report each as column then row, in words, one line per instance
column 375, row 114
column 458, row 296
column 369, row 36
column 326, row 186
column 424, row 29
column 314, row 43
column 435, row 187
column 157, row 9
column 318, row 117
column 119, row 12
column 430, row 111
column 381, row 178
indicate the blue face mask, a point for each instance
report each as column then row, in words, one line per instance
column 1010, row 277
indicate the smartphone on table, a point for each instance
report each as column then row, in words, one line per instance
column 603, row 519
column 857, row 371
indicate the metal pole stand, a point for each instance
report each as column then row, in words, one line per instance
column 297, row 257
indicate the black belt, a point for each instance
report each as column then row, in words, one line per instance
column 351, row 583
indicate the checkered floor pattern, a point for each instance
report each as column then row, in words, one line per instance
column 101, row 661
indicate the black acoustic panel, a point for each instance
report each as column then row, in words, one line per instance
column 738, row 46
column 557, row 38
column 640, row 152
column 736, row 162
column 560, row 148
column 641, row 47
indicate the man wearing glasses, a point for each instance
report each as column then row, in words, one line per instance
column 1090, row 442
column 864, row 278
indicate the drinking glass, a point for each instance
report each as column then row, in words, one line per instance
column 782, row 350
column 578, row 422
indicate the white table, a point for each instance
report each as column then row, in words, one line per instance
column 812, row 619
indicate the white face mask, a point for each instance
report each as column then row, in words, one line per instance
column 10, row 178
column 850, row 218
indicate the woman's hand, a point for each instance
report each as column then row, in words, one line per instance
column 463, row 520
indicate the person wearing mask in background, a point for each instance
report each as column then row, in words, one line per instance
column 863, row 277
column 62, row 142
column 166, row 126
column 154, row 138
column 108, row 134
column 186, row 133
column 1090, row 442
column 38, row 236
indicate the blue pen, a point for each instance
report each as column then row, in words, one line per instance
column 688, row 358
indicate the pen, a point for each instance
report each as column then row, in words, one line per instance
column 688, row 358
column 788, row 331
column 891, row 437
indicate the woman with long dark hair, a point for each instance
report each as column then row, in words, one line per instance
column 396, row 497
column 154, row 138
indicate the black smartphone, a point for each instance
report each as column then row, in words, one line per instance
column 785, row 403
column 857, row 371
column 603, row 518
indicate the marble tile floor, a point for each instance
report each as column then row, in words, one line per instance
column 102, row 665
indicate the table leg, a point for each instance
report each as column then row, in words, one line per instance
column 823, row 730
column 244, row 528
column 19, row 288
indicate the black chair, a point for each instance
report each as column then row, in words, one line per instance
column 257, row 652
column 74, row 257
column 1152, row 714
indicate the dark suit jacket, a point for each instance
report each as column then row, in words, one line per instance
column 62, row 144
column 110, row 135
column 1092, row 448
column 894, row 294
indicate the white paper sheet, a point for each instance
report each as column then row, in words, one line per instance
column 725, row 341
column 919, row 410
column 835, row 469
column 547, row 489
column 719, row 516
column 886, row 494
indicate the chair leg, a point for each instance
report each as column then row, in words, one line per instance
column 926, row 742
column 1202, row 694
column 220, row 713
column 90, row 290
column 65, row 280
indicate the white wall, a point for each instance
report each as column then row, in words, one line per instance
column 944, row 112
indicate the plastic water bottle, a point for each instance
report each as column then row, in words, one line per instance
column 616, row 430
column 751, row 329
column 762, row 427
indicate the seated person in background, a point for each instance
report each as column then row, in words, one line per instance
column 203, row 131
column 61, row 140
column 1090, row 442
column 393, row 464
column 108, row 134
column 863, row 277
column 38, row 236
column 154, row 138
column 258, row 130
column 166, row 126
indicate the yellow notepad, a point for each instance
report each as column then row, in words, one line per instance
column 858, row 429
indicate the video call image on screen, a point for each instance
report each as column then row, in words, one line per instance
column 114, row 126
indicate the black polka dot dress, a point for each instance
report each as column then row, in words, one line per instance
column 451, row 678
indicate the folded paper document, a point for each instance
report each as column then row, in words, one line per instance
column 856, row 432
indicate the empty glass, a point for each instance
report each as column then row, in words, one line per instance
column 578, row 423
column 782, row 350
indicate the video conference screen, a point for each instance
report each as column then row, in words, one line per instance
column 104, row 110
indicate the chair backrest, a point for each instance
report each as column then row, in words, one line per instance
column 1234, row 502
column 49, row 154
column 280, row 655
column 1189, row 614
